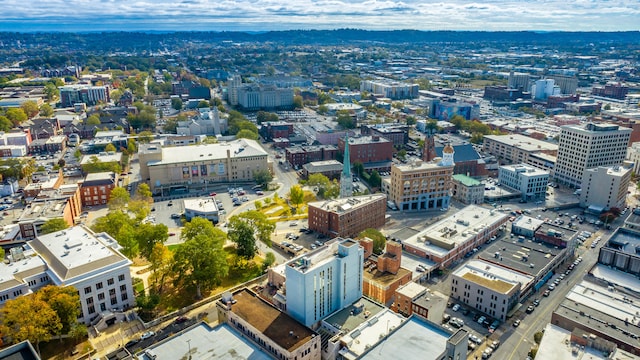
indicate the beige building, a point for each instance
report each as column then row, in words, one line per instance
column 276, row 332
column 467, row 190
column 489, row 288
column 176, row 168
column 605, row 187
column 516, row 149
column 588, row 147
column 421, row 185
column 633, row 155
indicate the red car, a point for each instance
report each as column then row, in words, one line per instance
column 213, row 194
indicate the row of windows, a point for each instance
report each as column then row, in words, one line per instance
column 121, row 277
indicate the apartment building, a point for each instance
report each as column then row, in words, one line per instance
column 96, row 188
column 633, row 155
column 77, row 257
column 587, row 147
column 324, row 281
column 530, row 181
column 63, row 202
column 347, row 217
column 87, row 94
column 256, row 97
column 422, row 185
column 367, row 149
column 515, row 148
column 390, row 89
column 605, row 187
column 487, row 287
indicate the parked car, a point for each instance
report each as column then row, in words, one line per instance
column 530, row 309
column 516, row 323
column 147, row 335
column 456, row 307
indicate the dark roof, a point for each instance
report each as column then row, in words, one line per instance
column 20, row 351
column 464, row 152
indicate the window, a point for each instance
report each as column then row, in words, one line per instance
column 110, row 281
column 87, row 290
column 124, row 296
column 89, row 300
column 99, row 286
column 114, row 300
column 123, row 288
column 103, row 307
column 121, row 277
column 91, row 309
column 100, row 296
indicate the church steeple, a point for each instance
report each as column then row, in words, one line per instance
column 346, row 182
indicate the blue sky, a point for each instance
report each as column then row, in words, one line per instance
column 257, row 15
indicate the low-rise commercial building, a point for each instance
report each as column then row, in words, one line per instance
column 203, row 208
column 328, row 168
column 276, row 332
column 61, row 203
column 77, row 257
column 347, row 217
column 489, row 288
column 384, row 276
column 467, row 190
column 525, row 226
column 368, row 149
column 451, row 238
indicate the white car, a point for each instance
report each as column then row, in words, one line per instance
column 456, row 307
column 147, row 335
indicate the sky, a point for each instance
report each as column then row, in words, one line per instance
column 263, row 15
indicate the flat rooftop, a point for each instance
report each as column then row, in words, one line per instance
column 523, row 142
column 270, row 321
column 347, row 204
column 435, row 302
column 608, row 301
column 14, row 273
column 105, row 158
column 368, row 333
column 384, row 278
column 527, row 222
column 511, row 251
column 619, row 278
column 556, row 344
column 443, row 236
column 414, row 336
column 220, row 342
column 241, row 148
column 345, row 320
column 525, row 170
column 201, row 205
column 411, row 290
column 326, row 165
column 76, row 251
column 497, row 278
column 625, row 241
column 466, row 180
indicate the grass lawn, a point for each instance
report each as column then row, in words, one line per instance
column 173, row 247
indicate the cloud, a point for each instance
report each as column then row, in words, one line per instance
column 322, row 14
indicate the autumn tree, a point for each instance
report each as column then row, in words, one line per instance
column 30, row 108
column 161, row 259
column 46, row 110
column 53, row 225
column 296, row 195
column 110, row 147
column 258, row 221
column 200, row 261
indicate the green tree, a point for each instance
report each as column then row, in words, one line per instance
column 358, row 168
column 115, row 95
column 258, row 221
column 411, row 120
column 77, row 154
column 322, row 110
column 118, row 199
column 379, row 240
column 262, row 177
column 46, row 110
column 51, row 91
column 16, row 115
column 93, row 120
column 203, row 104
column 176, row 103
column 345, row 120
column 145, row 136
column 296, row 196
column 110, row 147
column 607, row 107
column 269, row 259
column 324, row 98
column 200, row 261
column 161, row 259
column 171, row 126
column 242, row 235
column 476, row 138
column 53, row 225
column 375, row 180
column 148, row 236
column 5, row 124
column 30, row 108
column 402, row 154
column 297, row 102
column 247, row 134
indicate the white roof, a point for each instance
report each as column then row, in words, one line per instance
column 600, row 298
column 556, row 344
column 369, row 332
column 237, row 149
column 203, row 206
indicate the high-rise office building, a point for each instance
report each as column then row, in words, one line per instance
column 587, row 147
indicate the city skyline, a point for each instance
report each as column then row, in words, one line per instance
column 265, row 15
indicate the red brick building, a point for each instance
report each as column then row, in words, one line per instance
column 383, row 276
column 348, row 217
column 300, row 155
column 368, row 149
column 96, row 188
